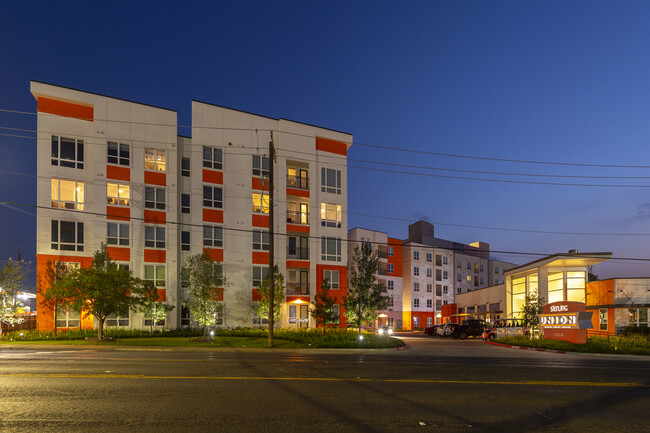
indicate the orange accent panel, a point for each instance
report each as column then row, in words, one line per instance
column 162, row 295
column 298, row 192
column 336, row 294
column 118, row 173
column 118, row 213
column 255, row 296
column 155, row 256
column 216, row 254
column 298, row 264
column 260, row 220
column 155, row 178
column 119, row 254
column 260, row 258
column 45, row 316
column 213, row 216
column 257, row 184
column 211, row 176
column 66, row 109
column 297, row 228
column 396, row 259
column 331, row 146
column 304, row 299
column 155, row 216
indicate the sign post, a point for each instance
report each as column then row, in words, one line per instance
column 566, row 321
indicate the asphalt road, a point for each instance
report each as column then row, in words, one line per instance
column 436, row 385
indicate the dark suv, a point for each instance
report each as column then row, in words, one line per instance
column 470, row 328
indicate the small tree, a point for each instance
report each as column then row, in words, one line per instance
column 532, row 308
column 12, row 280
column 365, row 298
column 155, row 311
column 205, row 283
column 104, row 289
column 323, row 311
column 51, row 289
column 261, row 308
column 591, row 275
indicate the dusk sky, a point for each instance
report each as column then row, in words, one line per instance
column 544, row 81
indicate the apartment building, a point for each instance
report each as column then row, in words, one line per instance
column 117, row 171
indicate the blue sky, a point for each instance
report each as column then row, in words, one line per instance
column 541, row 81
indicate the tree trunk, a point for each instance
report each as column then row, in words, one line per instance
column 100, row 330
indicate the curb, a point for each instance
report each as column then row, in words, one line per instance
column 536, row 349
column 406, row 346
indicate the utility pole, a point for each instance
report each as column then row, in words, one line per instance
column 271, row 239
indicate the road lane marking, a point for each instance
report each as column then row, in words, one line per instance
column 324, row 379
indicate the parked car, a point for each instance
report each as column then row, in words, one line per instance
column 384, row 330
column 506, row 328
column 432, row 331
column 470, row 328
column 447, row 330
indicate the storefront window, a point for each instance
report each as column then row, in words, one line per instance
column 638, row 317
column 518, row 295
column 602, row 318
column 575, row 285
column 556, row 287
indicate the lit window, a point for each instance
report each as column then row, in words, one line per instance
column 260, row 203
column 261, row 166
column 602, row 319
column 117, row 234
column 67, row 194
column 261, row 240
column 154, row 159
column 331, row 249
column 333, row 279
column 154, row 198
column 212, row 197
column 118, row 194
column 154, row 237
column 67, row 235
column 212, row 158
column 297, row 178
column 330, row 180
column 155, row 274
column 330, row 214
column 67, row 152
column 118, row 153
column 212, row 236
column 638, row 317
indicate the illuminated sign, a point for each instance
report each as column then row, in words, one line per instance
column 566, row 321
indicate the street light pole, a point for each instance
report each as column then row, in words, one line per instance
column 271, row 243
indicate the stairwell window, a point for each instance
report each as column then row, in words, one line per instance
column 330, row 180
column 67, row 194
column 154, row 159
column 185, row 203
column 186, row 166
column 185, row 241
column 67, row 152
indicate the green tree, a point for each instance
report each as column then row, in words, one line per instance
column 532, row 308
column 104, row 289
column 365, row 299
column 52, row 290
column 591, row 275
column 155, row 311
column 205, row 283
column 261, row 307
column 12, row 280
column 323, row 311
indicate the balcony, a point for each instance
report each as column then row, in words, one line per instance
column 382, row 271
column 297, row 217
column 297, row 289
column 298, row 182
column 298, row 253
column 381, row 253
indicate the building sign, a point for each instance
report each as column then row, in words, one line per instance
column 566, row 321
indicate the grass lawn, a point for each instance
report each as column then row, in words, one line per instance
column 631, row 345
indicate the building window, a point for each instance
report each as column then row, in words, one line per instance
column 429, row 288
column 117, row 234
column 154, row 237
column 575, row 286
column 445, row 290
column 416, row 271
column 445, row 275
column 330, row 180
column 212, row 236
column 261, row 240
column 333, row 279
column 390, row 284
column 416, row 304
column 481, row 281
column 260, row 166
column 335, row 314
column 390, row 251
column 480, row 268
column 185, row 166
column 118, row 153
column 469, row 278
column 416, row 287
column 469, row 266
column 459, row 277
column 115, row 320
column 391, row 302
column 118, row 194
column 445, row 260
column 155, row 274
column 185, row 316
column 259, row 274
column 66, row 318
column 638, row 317
column 445, row 302
column 429, row 304
column 602, row 319
column 459, row 290
column 459, row 264
column 67, row 194
column 438, row 289
column 67, row 235
column 260, row 203
column 429, row 257
column 331, row 249
column 212, row 158
column 391, row 322
column 496, row 269
column 390, row 268
column 555, row 287
column 212, row 197
column 185, row 241
column 154, row 159
column 429, row 321
column 154, row 198
column 416, row 255
column 429, row 272
column 185, row 203
column 416, row 322
column 67, row 152
column 297, row 178
column 330, row 215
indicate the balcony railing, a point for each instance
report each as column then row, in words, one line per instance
column 296, row 217
column 298, row 253
column 294, row 288
column 382, row 271
column 298, row 182
column 382, row 254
